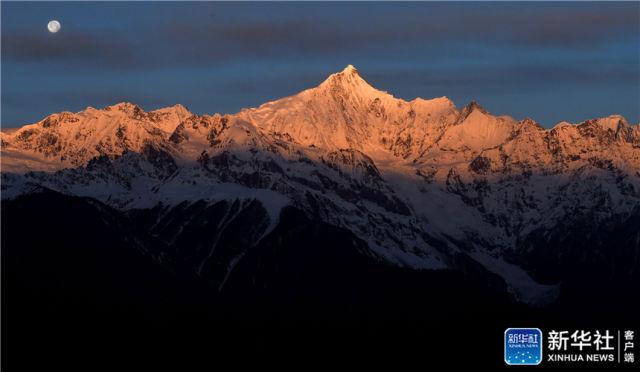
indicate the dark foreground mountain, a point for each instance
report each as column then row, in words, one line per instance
column 87, row 287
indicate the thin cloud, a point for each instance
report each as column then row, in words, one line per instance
column 205, row 41
column 35, row 47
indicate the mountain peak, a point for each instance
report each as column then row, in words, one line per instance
column 611, row 122
column 178, row 109
column 349, row 75
column 126, row 107
column 470, row 108
column 350, row 69
column 474, row 105
column 348, row 80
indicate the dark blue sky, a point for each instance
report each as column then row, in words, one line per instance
column 548, row 61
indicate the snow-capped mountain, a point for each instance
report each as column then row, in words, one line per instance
column 424, row 184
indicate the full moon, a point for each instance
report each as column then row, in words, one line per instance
column 53, row 26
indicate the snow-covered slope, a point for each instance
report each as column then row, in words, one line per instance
column 426, row 185
column 72, row 139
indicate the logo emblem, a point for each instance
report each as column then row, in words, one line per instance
column 522, row 346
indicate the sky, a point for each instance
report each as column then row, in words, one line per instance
column 548, row 61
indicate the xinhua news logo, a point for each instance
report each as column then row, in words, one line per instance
column 523, row 346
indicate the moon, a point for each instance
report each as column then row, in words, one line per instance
column 53, row 26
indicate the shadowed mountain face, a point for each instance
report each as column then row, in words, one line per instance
column 79, row 275
column 341, row 202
